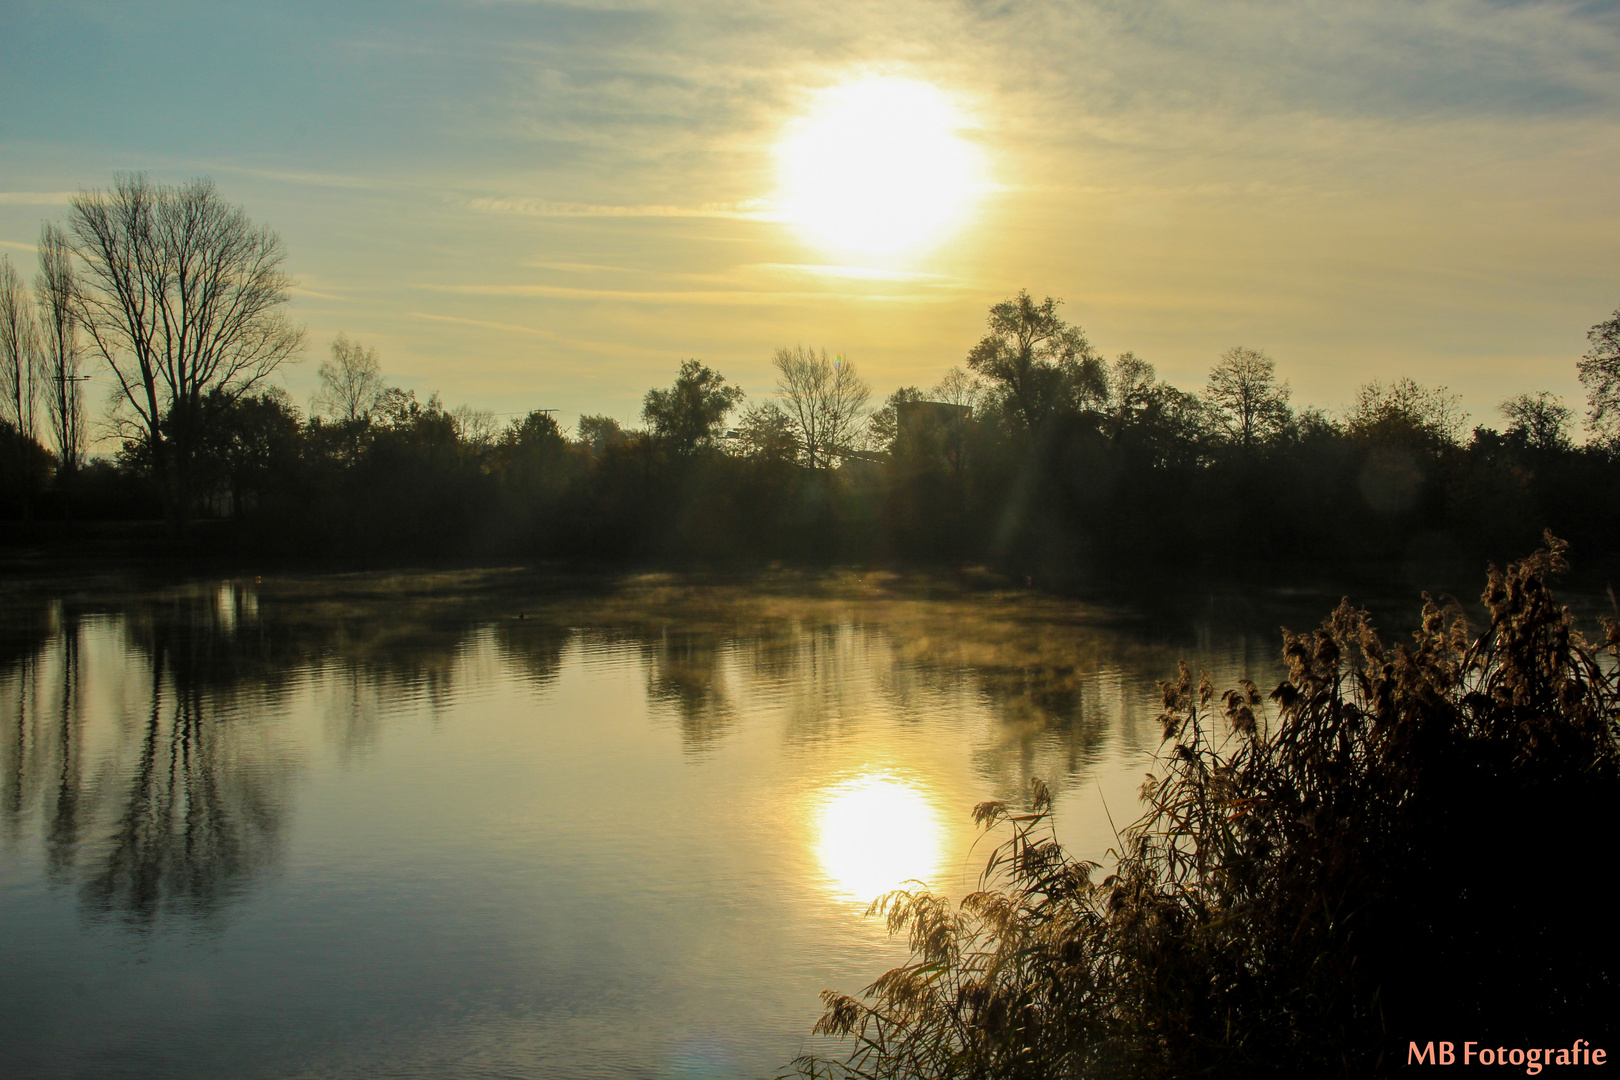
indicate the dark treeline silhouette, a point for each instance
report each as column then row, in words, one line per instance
column 1039, row 456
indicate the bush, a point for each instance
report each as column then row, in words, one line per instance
column 1406, row 846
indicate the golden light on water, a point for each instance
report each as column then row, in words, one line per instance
column 878, row 169
column 874, row 833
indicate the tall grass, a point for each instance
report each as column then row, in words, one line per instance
column 1402, row 843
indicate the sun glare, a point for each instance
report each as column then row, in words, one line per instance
column 875, row 833
column 878, row 170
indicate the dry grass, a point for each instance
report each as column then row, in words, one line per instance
column 1381, row 853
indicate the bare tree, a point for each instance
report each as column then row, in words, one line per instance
column 824, row 398
column 19, row 345
column 54, row 286
column 1404, row 411
column 1599, row 371
column 476, row 427
column 1541, row 419
column 182, row 296
column 1133, row 388
column 958, row 387
column 1247, row 402
column 351, row 381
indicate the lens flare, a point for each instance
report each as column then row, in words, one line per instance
column 874, row 833
column 878, row 169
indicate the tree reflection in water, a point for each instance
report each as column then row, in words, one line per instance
column 41, row 686
column 685, row 671
column 173, row 796
column 62, row 837
column 197, row 821
column 181, row 807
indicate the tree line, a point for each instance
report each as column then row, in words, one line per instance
column 1036, row 453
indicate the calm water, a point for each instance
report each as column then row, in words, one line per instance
column 484, row 825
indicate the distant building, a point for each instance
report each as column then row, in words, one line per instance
column 922, row 418
column 931, row 431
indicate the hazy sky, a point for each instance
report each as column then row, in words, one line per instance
column 526, row 204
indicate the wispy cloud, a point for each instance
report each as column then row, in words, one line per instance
column 856, row 273
column 750, row 210
column 311, row 179
column 298, row 290
column 707, row 297
column 512, row 328
column 611, row 348
column 580, row 267
column 1188, row 174
column 35, row 198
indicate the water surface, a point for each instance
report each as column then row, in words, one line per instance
column 490, row 824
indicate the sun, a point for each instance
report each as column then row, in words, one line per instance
column 878, row 169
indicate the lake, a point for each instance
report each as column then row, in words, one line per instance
column 498, row 824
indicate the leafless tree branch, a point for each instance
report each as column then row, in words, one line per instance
column 182, row 296
column 824, row 398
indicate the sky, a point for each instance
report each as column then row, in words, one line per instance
column 550, row 205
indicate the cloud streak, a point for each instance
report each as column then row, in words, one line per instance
column 510, row 328
column 751, row 210
column 707, row 298
column 35, row 198
column 1354, row 183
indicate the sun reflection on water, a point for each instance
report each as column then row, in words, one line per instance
column 874, row 833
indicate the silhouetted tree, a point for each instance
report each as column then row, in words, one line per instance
column 958, row 387
column 532, row 464
column 250, row 443
column 19, row 346
column 351, row 382
column 475, row 427
column 1247, row 403
column 1137, row 398
column 689, row 415
column 398, row 408
column 1599, row 371
column 182, row 296
column 537, row 430
column 54, row 286
column 1403, row 412
column 530, row 452
column 598, row 433
column 25, row 467
column 766, row 433
column 1042, row 364
column 1540, row 420
column 25, row 471
column 824, row 399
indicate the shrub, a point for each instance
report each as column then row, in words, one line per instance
column 1406, row 844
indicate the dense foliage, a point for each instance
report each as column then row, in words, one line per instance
column 1405, row 845
column 1038, row 456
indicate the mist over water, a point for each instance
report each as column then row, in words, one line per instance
column 488, row 824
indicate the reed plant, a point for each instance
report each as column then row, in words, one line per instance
column 1397, row 844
